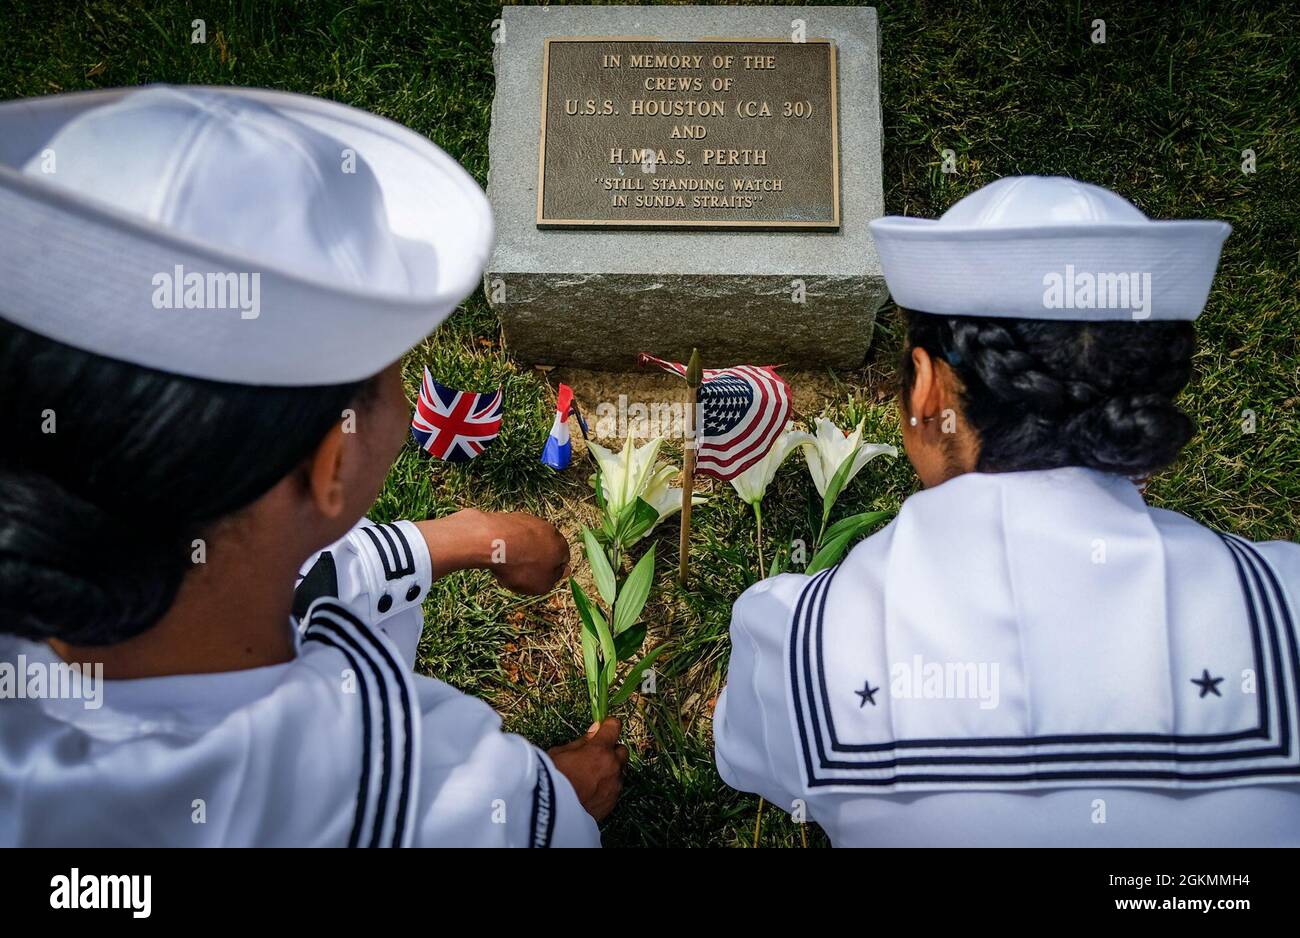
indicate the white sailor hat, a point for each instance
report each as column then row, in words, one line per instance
column 234, row 234
column 1048, row 247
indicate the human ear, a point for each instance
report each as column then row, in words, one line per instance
column 921, row 403
column 325, row 474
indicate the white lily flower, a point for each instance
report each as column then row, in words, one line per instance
column 667, row 498
column 831, row 447
column 751, row 485
column 635, row 473
column 625, row 476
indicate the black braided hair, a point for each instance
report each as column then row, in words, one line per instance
column 1042, row 394
column 97, row 518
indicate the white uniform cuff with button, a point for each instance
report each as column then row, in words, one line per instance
column 395, row 566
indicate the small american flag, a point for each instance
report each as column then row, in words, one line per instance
column 743, row 408
column 454, row 425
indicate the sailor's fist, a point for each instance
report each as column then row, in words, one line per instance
column 526, row 554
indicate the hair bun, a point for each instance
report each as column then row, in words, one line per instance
column 1041, row 394
column 1129, row 433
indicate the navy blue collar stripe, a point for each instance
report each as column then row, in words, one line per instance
column 333, row 622
column 386, row 724
column 1290, row 712
column 1274, row 608
column 381, row 659
column 405, row 701
column 364, row 795
column 827, row 760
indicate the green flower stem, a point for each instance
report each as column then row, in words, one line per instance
column 613, row 554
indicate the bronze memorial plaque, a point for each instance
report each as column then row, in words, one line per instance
column 714, row 133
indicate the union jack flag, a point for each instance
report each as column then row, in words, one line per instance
column 454, row 425
column 743, row 409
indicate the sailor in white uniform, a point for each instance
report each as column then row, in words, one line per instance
column 204, row 298
column 1029, row 653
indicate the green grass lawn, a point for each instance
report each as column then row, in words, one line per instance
column 1160, row 113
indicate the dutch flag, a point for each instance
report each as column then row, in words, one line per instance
column 559, row 451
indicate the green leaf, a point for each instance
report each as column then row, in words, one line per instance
column 606, row 522
column 858, row 523
column 596, row 483
column 591, row 666
column 633, row 678
column 629, row 642
column 593, row 626
column 592, row 619
column 600, row 568
column 602, row 695
column 830, row 553
column 635, row 591
column 780, row 560
column 836, row 484
column 626, row 515
column 644, row 517
column 841, row 535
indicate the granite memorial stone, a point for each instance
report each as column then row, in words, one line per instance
column 670, row 177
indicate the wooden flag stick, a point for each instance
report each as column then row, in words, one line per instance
column 694, row 376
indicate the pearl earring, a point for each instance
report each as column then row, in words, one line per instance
column 912, row 421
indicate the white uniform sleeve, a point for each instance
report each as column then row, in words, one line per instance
column 477, row 785
column 752, row 731
column 485, row 788
column 382, row 572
